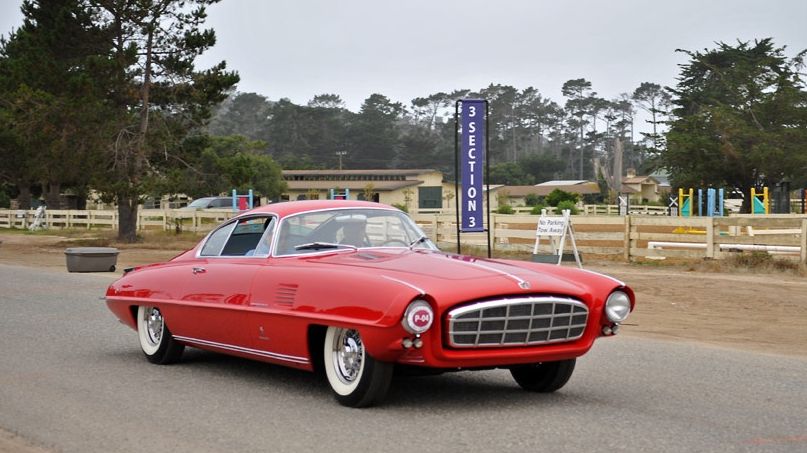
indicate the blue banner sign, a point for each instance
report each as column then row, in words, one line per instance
column 472, row 163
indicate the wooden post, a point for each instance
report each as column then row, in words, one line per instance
column 803, row 260
column 627, row 238
column 494, row 220
column 710, row 238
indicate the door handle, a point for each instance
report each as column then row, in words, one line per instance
column 199, row 270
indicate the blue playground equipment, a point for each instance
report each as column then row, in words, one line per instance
column 339, row 194
column 713, row 202
column 242, row 202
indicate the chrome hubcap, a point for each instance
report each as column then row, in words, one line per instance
column 154, row 325
column 348, row 354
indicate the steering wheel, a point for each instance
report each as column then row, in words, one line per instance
column 394, row 242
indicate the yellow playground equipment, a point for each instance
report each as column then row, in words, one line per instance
column 760, row 203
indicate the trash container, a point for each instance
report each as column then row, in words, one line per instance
column 91, row 259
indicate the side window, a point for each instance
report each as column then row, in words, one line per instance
column 215, row 243
column 262, row 249
column 246, row 236
column 222, row 203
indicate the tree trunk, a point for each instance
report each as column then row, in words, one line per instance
column 747, row 205
column 24, row 197
column 52, row 195
column 127, row 218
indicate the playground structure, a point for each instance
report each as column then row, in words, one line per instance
column 339, row 194
column 760, row 202
column 711, row 202
column 686, row 202
column 242, row 202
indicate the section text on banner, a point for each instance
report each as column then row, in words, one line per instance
column 472, row 152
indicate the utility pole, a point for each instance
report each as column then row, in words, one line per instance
column 340, row 154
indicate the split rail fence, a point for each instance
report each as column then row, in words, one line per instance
column 633, row 236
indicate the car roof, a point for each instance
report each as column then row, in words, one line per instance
column 288, row 208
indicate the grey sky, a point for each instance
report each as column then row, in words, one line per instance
column 300, row 48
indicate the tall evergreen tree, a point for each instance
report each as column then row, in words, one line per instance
column 740, row 118
column 375, row 133
column 653, row 99
column 157, row 92
column 50, row 105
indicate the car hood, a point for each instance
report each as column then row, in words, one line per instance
column 440, row 273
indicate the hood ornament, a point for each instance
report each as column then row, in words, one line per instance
column 523, row 284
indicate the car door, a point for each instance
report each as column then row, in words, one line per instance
column 218, row 289
column 273, row 328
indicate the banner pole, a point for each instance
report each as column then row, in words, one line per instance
column 487, row 165
column 457, row 170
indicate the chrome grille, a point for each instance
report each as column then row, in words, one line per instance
column 517, row 322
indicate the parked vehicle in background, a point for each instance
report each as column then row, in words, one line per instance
column 210, row 203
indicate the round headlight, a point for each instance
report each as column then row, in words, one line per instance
column 617, row 307
column 418, row 317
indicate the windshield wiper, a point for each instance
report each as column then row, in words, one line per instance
column 417, row 241
column 323, row 246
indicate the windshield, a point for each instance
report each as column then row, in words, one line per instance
column 315, row 231
column 200, row 203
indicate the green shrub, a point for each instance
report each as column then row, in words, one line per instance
column 505, row 209
column 568, row 204
column 536, row 210
column 533, row 200
column 557, row 196
column 5, row 200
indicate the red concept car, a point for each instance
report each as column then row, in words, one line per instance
column 355, row 289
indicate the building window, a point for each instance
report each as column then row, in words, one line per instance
column 430, row 197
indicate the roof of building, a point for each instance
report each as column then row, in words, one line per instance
column 522, row 191
column 640, row 180
column 564, row 182
column 582, row 189
column 404, row 172
column 378, row 186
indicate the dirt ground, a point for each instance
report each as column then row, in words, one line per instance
column 762, row 312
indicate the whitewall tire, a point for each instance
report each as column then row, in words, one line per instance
column 156, row 340
column 356, row 379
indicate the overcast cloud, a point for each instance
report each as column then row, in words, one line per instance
column 300, row 48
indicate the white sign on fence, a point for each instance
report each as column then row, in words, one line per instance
column 551, row 226
column 556, row 229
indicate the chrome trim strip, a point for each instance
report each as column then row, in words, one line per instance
column 255, row 352
column 422, row 292
column 521, row 282
column 620, row 282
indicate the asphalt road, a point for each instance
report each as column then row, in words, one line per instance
column 73, row 379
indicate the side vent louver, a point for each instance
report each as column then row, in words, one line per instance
column 285, row 294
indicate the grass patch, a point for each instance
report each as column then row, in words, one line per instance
column 169, row 240
column 86, row 242
column 761, row 261
column 748, row 262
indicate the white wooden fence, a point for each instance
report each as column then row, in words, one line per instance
column 637, row 236
column 633, row 236
column 188, row 220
